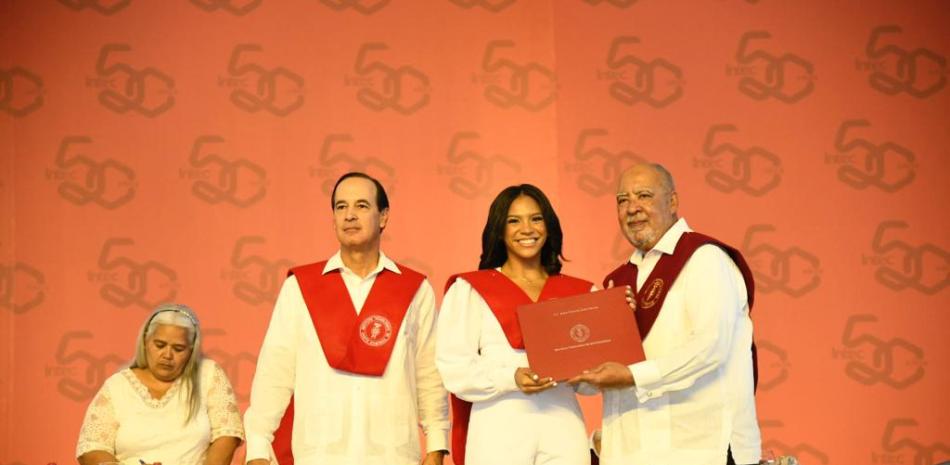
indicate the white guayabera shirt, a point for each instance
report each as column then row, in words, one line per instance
column 340, row 417
column 694, row 393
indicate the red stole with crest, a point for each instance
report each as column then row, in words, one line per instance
column 503, row 297
column 651, row 296
column 360, row 344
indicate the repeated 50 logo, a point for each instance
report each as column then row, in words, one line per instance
column 21, row 91
column 216, row 178
column 900, row 446
column 597, row 169
column 122, row 88
column 656, row 82
column 493, row 6
column 805, row 453
column 235, row 7
column 277, row 90
column 22, row 287
column 335, row 160
column 239, row 366
column 125, row 281
column 471, row 173
column 614, row 3
column 103, row 7
column 381, row 86
column 84, row 180
column 773, row 365
column 507, row 84
column 888, row 166
column 788, row 77
column 81, row 372
column 924, row 268
column 792, row 270
column 753, row 170
column 364, row 7
column 920, row 72
column 256, row 279
column 896, row 362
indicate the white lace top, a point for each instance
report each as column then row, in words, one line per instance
column 124, row 420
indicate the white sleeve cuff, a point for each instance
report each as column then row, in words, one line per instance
column 259, row 448
column 437, row 440
column 740, row 455
column 504, row 378
column 646, row 375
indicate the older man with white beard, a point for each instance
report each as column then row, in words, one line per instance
column 691, row 401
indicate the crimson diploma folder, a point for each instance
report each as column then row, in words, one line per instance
column 566, row 336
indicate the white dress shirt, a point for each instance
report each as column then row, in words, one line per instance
column 694, row 393
column 342, row 418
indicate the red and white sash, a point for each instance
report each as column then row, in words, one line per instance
column 503, row 297
column 356, row 343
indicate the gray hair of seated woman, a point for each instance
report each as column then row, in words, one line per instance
column 183, row 317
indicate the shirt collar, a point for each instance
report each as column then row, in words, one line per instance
column 666, row 244
column 336, row 263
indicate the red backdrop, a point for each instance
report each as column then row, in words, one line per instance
column 183, row 150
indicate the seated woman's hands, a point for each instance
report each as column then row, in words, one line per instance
column 530, row 383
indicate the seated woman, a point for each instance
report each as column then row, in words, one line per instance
column 513, row 415
column 171, row 406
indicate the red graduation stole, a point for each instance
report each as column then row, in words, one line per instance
column 360, row 344
column 651, row 296
column 503, row 297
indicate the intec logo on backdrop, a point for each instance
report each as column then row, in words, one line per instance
column 125, row 281
column 897, row 362
column 22, row 287
column 215, row 179
column 901, row 447
column 21, row 91
column 792, row 271
column 616, row 3
column 656, row 82
column 773, row 365
column 82, row 179
column 81, row 373
column 753, row 170
column 597, row 168
column 493, row 6
column 238, row 366
column 805, row 453
column 380, row 86
column 103, row 7
column 122, row 88
column 506, row 84
column 256, row 280
column 365, row 7
column 924, row 268
column 920, row 73
column 862, row 163
column 472, row 174
column 335, row 160
column 279, row 90
column 788, row 78
column 235, row 7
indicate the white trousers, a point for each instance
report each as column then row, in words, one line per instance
column 517, row 429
